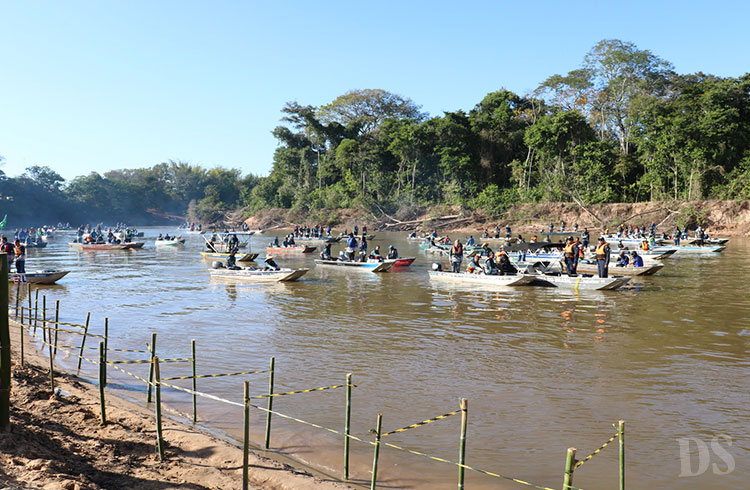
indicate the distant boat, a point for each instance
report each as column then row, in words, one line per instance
column 247, row 257
column 297, row 249
column 175, row 242
column 259, row 275
column 372, row 265
column 106, row 246
column 580, row 282
column 486, row 280
column 38, row 277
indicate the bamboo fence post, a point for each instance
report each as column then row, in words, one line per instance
column 195, row 384
column 621, row 431
column 49, row 344
column 18, row 296
column 57, row 322
column 347, row 424
column 151, row 348
column 570, row 461
column 376, row 453
column 159, row 434
column 83, row 342
column 5, row 373
column 462, row 443
column 102, row 381
column 106, row 338
column 246, row 434
column 36, row 308
column 272, row 363
column 21, row 336
column 44, row 320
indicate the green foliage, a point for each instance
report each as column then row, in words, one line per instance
column 494, row 201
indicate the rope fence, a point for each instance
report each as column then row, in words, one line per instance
column 155, row 381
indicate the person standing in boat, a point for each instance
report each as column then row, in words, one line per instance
column 20, row 254
column 9, row 250
column 602, row 257
column 586, row 237
column 570, row 255
column 351, row 246
column 392, row 253
column 456, row 255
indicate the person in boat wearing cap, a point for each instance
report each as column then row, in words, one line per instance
column 474, row 267
column 392, row 253
column 489, row 266
column 571, row 256
column 456, row 255
column 602, row 257
column 269, row 263
column 622, row 259
column 504, row 264
column 635, row 259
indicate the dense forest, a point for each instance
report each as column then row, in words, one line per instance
column 622, row 127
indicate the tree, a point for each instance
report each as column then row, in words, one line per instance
column 368, row 108
column 44, row 177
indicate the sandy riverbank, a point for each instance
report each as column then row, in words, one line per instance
column 725, row 218
column 58, row 442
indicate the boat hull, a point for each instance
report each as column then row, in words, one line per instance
column 169, row 243
column 404, row 261
column 248, row 257
column 580, row 282
column 106, row 246
column 384, row 266
column 305, row 249
column 38, row 277
column 491, row 281
column 646, row 270
column 259, row 276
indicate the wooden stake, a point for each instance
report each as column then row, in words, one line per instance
column 621, row 431
column 270, row 402
column 151, row 348
column 195, row 384
column 462, row 443
column 5, row 378
column 570, row 461
column 102, row 381
column 106, row 338
column 36, row 308
column 376, row 453
column 246, row 435
column 83, row 342
column 21, row 336
column 57, row 322
column 347, row 424
column 44, row 320
column 18, row 296
column 49, row 345
column 159, row 434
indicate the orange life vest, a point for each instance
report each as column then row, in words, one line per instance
column 569, row 250
column 601, row 251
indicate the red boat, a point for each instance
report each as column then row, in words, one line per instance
column 404, row 261
column 298, row 249
column 107, row 246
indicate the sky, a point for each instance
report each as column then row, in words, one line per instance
column 91, row 86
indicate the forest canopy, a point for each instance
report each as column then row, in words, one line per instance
column 621, row 127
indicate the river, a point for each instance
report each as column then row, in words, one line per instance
column 542, row 369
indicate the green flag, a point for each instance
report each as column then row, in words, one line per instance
column 2, row 223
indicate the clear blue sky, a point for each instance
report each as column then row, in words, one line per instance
column 99, row 85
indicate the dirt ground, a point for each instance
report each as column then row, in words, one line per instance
column 720, row 218
column 57, row 442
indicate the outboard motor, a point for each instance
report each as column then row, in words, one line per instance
column 216, row 264
column 437, row 266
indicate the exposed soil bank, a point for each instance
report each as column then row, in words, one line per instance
column 57, row 442
column 719, row 217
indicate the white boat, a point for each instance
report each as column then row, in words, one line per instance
column 370, row 265
column 691, row 249
column 487, row 280
column 195, row 232
column 175, row 242
column 38, row 277
column 259, row 275
column 646, row 270
column 581, row 282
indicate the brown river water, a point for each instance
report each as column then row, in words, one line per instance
column 543, row 369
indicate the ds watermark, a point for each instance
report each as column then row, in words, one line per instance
column 704, row 457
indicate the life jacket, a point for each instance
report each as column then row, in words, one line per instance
column 457, row 250
column 570, row 250
column 18, row 251
column 601, row 251
column 644, row 246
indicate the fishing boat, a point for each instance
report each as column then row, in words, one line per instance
column 195, row 232
column 716, row 241
column 318, row 240
column 225, row 242
column 487, row 280
column 245, row 257
column 106, row 246
column 646, row 270
column 174, row 242
column 38, row 277
column 404, row 261
column 437, row 250
column 370, row 265
column 580, row 282
column 297, row 249
column 259, row 275
column 691, row 249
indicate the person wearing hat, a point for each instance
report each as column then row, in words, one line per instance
column 269, row 263
column 571, row 256
column 392, row 253
column 489, row 266
column 635, row 259
column 602, row 257
column 622, row 259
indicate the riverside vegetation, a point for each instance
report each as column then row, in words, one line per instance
column 623, row 127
